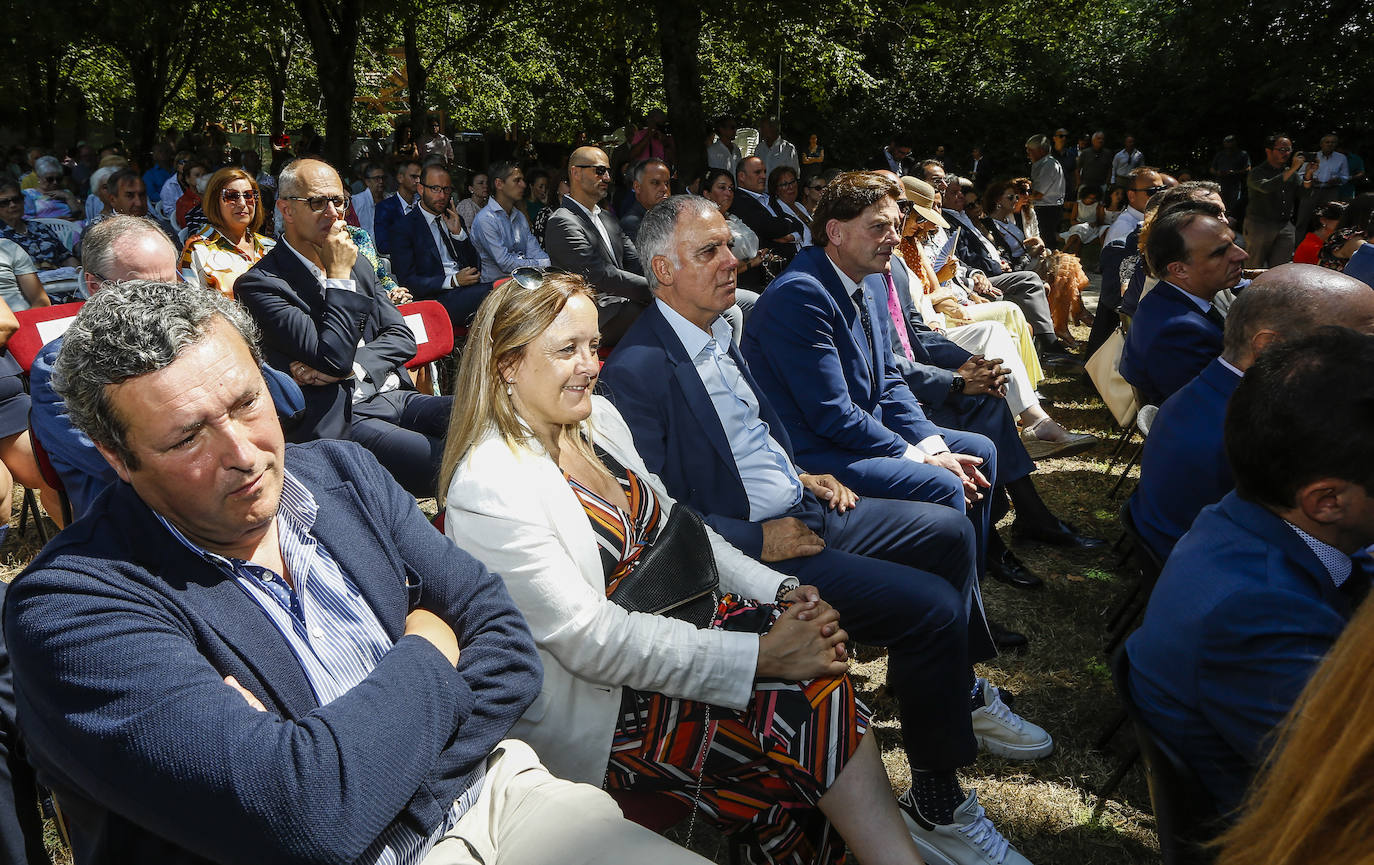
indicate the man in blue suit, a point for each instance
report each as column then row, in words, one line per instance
column 249, row 651
column 432, row 253
column 1264, row 582
column 396, row 205
column 902, row 573
column 1184, row 468
column 1176, row 331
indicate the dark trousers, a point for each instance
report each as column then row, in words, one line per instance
column 1049, row 216
column 461, row 303
column 21, row 829
column 901, row 478
column 405, row 431
column 988, row 416
column 902, row 576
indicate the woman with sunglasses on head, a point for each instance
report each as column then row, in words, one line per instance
column 229, row 244
column 739, row 706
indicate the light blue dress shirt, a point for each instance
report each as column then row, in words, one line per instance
column 505, row 242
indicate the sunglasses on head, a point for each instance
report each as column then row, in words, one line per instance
column 532, row 278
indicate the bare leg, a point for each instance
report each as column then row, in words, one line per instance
column 861, row 805
column 16, row 452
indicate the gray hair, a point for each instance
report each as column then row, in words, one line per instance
column 46, row 165
column 637, row 173
column 129, row 329
column 97, row 246
column 658, row 226
column 289, row 183
column 100, row 176
column 1039, row 142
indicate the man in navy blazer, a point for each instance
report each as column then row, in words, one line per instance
column 398, row 204
column 776, row 233
column 1264, row 582
column 326, row 323
column 900, row 572
column 1184, row 468
column 257, row 652
column 821, row 356
column 1176, row 331
column 432, row 253
column 582, row 238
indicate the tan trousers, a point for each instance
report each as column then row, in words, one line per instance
column 525, row 816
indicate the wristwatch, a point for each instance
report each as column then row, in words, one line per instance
column 788, row 584
column 956, row 384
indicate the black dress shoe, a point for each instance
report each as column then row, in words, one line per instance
column 1007, row 568
column 1057, row 533
column 1009, row 641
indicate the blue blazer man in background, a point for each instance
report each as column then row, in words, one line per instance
column 1257, row 591
column 1176, row 331
column 432, row 251
column 895, row 569
column 397, row 205
column 1184, row 468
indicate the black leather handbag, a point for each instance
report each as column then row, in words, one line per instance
column 675, row 575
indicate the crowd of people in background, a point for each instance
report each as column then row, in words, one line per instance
column 817, row 382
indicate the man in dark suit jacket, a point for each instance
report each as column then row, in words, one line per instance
column 822, row 358
column 258, row 652
column 432, row 252
column 1258, row 590
column 582, row 238
column 702, row 425
column 895, row 156
column 396, row 205
column 325, row 322
column 1183, row 468
column 1176, row 330
column 777, row 234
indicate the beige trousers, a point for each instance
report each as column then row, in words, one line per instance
column 525, row 816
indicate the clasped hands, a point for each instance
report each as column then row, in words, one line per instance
column 984, row 375
column 806, row 641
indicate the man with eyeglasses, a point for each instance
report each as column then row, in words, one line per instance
column 1273, row 184
column 374, row 191
column 777, row 234
column 584, row 239
column 1141, row 184
column 390, row 211
column 326, row 322
column 432, row 252
column 501, row 232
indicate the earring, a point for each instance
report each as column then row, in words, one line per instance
column 509, row 382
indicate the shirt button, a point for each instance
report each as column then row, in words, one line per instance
column 317, row 633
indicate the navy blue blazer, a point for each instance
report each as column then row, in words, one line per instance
column 1184, row 467
column 936, row 358
column 121, row 639
column 415, row 259
column 1171, row 339
column 1242, row 614
column 323, row 329
column 840, row 398
column 653, row 384
column 970, row 250
column 384, row 219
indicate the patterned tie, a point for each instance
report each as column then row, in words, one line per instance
column 894, row 307
column 861, row 298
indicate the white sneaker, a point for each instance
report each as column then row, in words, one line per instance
column 970, row 840
column 1002, row 732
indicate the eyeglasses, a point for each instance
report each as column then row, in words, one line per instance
column 376, row 177
column 232, row 195
column 815, row 187
column 1149, row 190
column 318, row 203
column 904, row 206
column 785, row 183
column 446, row 190
column 531, row 278
column 601, row 170
column 9, row 202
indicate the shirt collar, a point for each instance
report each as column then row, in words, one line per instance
column 593, row 213
column 761, row 198
column 850, row 286
column 297, row 505
column 1337, row 563
column 309, row 265
column 1236, row 371
column 693, row 338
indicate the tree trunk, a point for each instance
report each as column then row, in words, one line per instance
column 333, row 36
column 679, row 39
column 417, row 79
column 278, row 67
column 620, row 61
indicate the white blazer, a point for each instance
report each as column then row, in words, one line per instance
column 513, row 509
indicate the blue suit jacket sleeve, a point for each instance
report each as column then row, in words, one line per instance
column 384, row 221
column 407, row 256
column 83, row 470
column 123, row 700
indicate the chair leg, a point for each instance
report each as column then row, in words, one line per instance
column 1135, row 457
column 30, row 505
column 1123, row 627
column 1109, row 732
column 1115, row 780
column 1121, row 442
column 1127, row 602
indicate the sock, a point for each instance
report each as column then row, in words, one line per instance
column 936, row 795
column 1029, row 506
column 975, row 697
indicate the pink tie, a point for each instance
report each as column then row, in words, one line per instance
column 898, row 322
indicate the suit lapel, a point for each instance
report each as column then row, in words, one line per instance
column 693, row 391
column 613, row 232
column 576, row 210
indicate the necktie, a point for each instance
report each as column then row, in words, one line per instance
column 861, row 298
column 894, row 307
column 1215, row 317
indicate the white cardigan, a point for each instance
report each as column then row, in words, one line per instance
column 513, row 509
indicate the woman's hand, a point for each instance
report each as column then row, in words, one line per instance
column 797, row 648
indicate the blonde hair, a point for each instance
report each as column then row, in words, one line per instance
column 1313, row 802
column 509, row 319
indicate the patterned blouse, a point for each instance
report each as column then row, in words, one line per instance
column 211, row 260
column 39, row 241
column 620, row 535
column 367, row 249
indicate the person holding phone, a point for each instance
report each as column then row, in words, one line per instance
column 432, row 252
column 1269, row 234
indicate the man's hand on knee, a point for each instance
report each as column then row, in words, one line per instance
column 788, row 538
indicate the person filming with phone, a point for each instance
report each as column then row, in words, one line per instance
column 432, row 252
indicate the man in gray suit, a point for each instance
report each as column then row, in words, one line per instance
column 582, row 238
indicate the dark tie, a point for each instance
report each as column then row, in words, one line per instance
column 1215, row 317
column 861, row 298
column 452, row 246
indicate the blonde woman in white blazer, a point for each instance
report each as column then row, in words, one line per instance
column 526, row 423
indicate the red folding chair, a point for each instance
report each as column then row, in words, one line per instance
column 38, row 327
column 429, row 322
